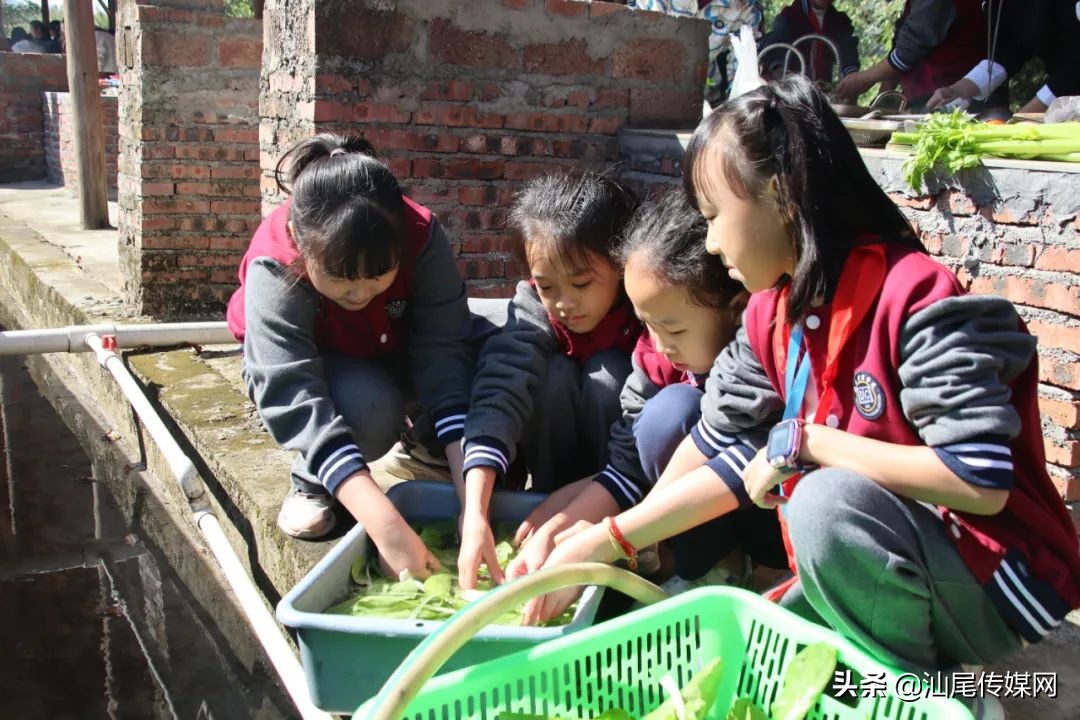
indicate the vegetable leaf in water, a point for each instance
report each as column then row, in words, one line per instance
column 806, row 677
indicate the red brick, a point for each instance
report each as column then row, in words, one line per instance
column 476, row 244
column 599, row 8
column 448, row 90
column 492, row 290
column 607, row 125
column 1058, row 258
column 1066, row 455
column 400, row 167
column 328, row 111
column 1065, row 413
column 1069, row 488
column 664, row 108
column 234, row 173
column 165, row 207
column 235, row 207
column 1057, row 336
column 474, row 169
column 187, row 188
column 366, row 33
column 427, row 167
column 569, row 8
column 957, row 203
column 237, row 135
column 611, row 98
column 453, row 45
column 175, row 48
column 569, row 57
column 527, row 170
column 649, row 59
column 517, row 4
column 546, row 122
column 478, row 195
column 175, row 242
column 1059, row 372
column 436, row 142
column 457, row 116
column 239, row 52
column 340, row 84
column 1033, row 291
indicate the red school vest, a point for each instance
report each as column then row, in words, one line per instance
column 1034, row 525
column 963, row 47
column 380, row 328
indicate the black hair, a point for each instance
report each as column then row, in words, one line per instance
column 18, row 33
column 569, row 214
column 668, row 235
column 787, row 130
column 39, row 26
column 54, row 26
column 347, row 209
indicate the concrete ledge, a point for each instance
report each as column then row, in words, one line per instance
column 245, row 471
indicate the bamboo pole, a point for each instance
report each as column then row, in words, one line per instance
column 82, row 72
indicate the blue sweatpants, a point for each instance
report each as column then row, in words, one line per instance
column 665, row 422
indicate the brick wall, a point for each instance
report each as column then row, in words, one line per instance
column 23, row 77
column 465, row 100
column 59, row 140
column 189, row 157
column 1015, row 233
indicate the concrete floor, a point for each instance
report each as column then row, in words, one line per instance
column 53, row 213
column 258, row 472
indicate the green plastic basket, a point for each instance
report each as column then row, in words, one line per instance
column 620, row 663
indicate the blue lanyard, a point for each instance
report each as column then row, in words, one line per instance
column 797, row 375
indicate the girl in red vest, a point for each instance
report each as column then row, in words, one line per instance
column 341, row 286
column 691, row 310
column 908, row 467
column 549, row 380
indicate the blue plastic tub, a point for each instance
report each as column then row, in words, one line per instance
column 347, row 659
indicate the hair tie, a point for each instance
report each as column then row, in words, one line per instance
column 337, row 151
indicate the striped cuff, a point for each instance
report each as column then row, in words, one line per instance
column 708, row 440
column 984, row 461
column 450, row 424
column 626, row 491
column 898, row 64
column 848, row 70
column 730, row 466
column 1028, row 604
column 1046, row 95
column 486, row 452
column 336, row 461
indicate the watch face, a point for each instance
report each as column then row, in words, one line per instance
column 779, row 441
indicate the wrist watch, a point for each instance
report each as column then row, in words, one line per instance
column 785, row 442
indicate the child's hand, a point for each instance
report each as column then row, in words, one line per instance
column 403, row 549
column 760, row 478
column 477, row 546
column 547, row 509
column 533, row 555
column 586, row 546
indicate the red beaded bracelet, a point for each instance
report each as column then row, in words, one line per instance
column 621, row 543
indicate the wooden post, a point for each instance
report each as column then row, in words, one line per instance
column 45, row 13
column 257, row 7
column 112, row 17
column 82, row 72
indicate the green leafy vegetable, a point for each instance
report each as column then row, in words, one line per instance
column 956, row 142
column 806, row 677
column 743, row 709
column 436, row 598
column 698, row 696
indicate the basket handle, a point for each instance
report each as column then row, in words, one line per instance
column 430, row 655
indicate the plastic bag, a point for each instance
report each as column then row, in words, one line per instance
column 1063, row 109
column 747, row 77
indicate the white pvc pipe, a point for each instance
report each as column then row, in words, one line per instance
column 179, row 462
column 73, row 338
column 262, row 622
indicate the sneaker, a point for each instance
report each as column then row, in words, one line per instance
column 307, row 516
column 407, row 461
